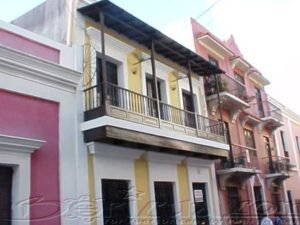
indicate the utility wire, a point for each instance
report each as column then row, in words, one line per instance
column 208, row 9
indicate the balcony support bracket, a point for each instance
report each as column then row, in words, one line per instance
column 276, row 179
column 237, row 175
column 213, row 106
column 234, row 113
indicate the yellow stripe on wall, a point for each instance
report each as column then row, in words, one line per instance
column 184, row 194
column 92, row 193
column 143, row 192
column 173, row 89
column 134, row 72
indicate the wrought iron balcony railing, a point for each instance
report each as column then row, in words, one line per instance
column 130, row 101
column 243, row 157
column 226, row 84
column 279, row 164
column 265, row 109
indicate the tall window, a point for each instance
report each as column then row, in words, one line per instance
column 165, row 207
column 111, row 72
column 188, row 107
column 234, row 205
column 284, row 143
column 298, row 143
column 213, row 61
column 150, row 88
column 259, row 101
column 260, row 211
column 249, row 138
column 239, row 78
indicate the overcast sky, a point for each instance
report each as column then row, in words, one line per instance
column 267, row 32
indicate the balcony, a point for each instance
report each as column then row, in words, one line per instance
column 279, row 169
column 138, row 121
column 271, row 116
column 264, row 115
column 233, row 95
column 240, row 166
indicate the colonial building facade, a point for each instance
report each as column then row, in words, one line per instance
column 250, row 181
column 150, row 132
column 38, row 127
column 149, row 145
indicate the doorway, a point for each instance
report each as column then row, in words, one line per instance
column 5, row 195
column 165, row 207
column 200, row 201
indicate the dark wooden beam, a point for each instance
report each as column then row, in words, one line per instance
column 154, row 80
column 163, row 142
column 103, row 57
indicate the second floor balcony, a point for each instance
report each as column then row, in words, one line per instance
column 233, row 95
column 125, row 115
column 279, row 169
column 268, row 113
column 240, row 166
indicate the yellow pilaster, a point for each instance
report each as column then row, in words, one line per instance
column 134, row 72
column 92, row 193
column 184, row 194
column 143, row 192
column 173, row 89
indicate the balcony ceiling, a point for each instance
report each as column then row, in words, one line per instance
column 210, row 42
column 259, row 79
column 238, row 174
column 124, row 23
column 240, row 63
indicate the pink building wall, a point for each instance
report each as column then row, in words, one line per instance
column 35, row 118
column 27, row 46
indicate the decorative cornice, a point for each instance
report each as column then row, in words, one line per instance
column 25, row 66
column 19, row 144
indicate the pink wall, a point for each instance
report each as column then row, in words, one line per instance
column 31, row 117
column 293, row 182
column 22, row 44
column 237, row 129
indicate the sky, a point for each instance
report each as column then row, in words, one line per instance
column 266, row 31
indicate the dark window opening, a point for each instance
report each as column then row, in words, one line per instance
column 249, row 138
column 291, row 206
column 189, row 115
column 5, row 195
column 298, row 143
column 260, row 211
column 213, row 61
column 284, row 143
column 260, row 106
column 200, row 200
column 239, row 78
column 235, row 206
column 164, row 199
column 113, row 92
column 115, row 195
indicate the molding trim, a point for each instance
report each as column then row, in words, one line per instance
column 19, row 144
column 28, row 67
column 114, row 151
column 163, row 158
